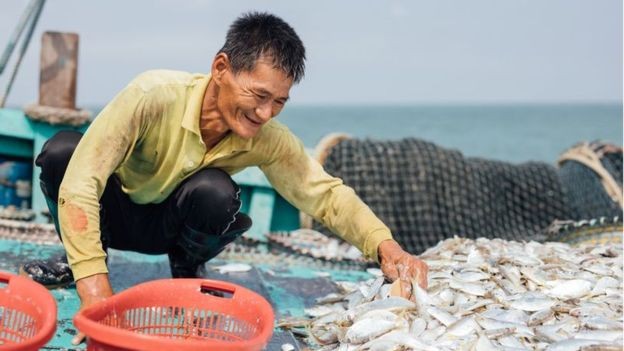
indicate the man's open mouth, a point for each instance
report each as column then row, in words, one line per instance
column 252, row 120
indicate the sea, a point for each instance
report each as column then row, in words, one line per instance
column 513, row 133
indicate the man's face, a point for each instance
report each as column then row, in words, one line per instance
column 248, row 100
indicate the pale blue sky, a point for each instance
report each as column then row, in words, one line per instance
column 359, row 52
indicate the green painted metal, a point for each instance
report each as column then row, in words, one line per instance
column 285, row 216
column 15, row 147
column 268, row 210
column 260, row 211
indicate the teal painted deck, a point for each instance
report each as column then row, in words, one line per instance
column 288, row 289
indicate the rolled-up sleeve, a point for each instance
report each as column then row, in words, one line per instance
column 303, row 182
column 105, row 145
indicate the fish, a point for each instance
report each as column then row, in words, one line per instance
column 232, row 268
column 367, row 329
column 569, row 289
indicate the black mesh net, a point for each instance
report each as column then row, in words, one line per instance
column 426, row 193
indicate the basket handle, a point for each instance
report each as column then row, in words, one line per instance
column 5, row 277
column 207, row 286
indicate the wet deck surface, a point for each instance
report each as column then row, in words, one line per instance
column 288, row 289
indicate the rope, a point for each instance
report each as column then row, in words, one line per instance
column 585, row 154
column 57, row 115
column 17, row 33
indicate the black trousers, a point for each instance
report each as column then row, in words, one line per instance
column 197, row 220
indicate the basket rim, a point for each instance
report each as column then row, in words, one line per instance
column 128, row 339
column 40, row 297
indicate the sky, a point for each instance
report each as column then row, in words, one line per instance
column 358, row 52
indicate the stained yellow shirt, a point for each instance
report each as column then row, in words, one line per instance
column 149, row 136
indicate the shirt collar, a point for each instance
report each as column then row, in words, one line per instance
column 190, row 120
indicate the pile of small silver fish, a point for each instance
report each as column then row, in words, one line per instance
column 484, row 295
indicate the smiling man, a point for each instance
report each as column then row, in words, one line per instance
column 152, row 172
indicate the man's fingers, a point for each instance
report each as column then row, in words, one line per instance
column 390, row 271
column 421, row 274
column 406, row 280
column 406, row 288
column 423, row 278
column 78, row 339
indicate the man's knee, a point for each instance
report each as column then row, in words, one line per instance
column 208, row 201
column 210, row 187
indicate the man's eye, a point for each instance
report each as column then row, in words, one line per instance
column 261, row 97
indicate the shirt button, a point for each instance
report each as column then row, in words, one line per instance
column 190, row 164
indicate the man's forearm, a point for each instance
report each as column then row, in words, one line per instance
column 93, row 288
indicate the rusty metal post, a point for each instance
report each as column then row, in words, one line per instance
column 59, row 67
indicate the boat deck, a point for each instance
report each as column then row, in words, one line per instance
column 289, row 289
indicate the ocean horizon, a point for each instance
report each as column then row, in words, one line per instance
column 506, row 132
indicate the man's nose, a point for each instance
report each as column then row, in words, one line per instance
column 264, row 112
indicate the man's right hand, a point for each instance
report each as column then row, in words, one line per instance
column 91, row 290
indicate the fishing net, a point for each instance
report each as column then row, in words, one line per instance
column 426, row 193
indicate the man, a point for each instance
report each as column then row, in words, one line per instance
column 152, row 172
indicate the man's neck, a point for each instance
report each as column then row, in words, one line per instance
column 211, row 124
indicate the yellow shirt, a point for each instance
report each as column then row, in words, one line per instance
column 149, row 137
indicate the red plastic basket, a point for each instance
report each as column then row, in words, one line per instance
column 27, row 314
column 178, row 314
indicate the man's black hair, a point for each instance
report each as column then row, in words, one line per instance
column 257, row 33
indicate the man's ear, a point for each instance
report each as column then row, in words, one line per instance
column 220, row 65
